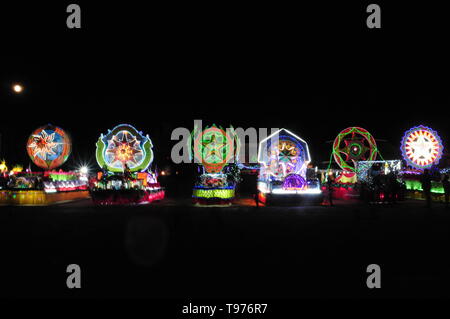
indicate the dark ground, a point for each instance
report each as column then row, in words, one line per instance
column 168, row 250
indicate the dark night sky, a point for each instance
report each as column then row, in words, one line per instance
column 314, row 70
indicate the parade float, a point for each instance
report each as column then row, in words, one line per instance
column 284, row 174
column 380, row 181
column 48, row 148
column 124, row 155
column 422, row 148
column 216, row 151
column 350, row 146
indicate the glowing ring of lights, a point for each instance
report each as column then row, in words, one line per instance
column 49, row 147
column 421, row 147
column 351, row 145
column 124, row 145
column 213, row 148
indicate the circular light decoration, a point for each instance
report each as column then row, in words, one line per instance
column 49, row 147
column 283, row 153
column 214, row 147
column 124, row 146
column 351, row 145
column 421, row 147
column 294, row 181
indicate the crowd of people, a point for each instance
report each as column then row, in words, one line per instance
column 22, row 181
column 425, row 180
column 389, row 188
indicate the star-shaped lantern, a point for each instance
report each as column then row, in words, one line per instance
column 124, row 148
column 421, row 147
column 43, row 145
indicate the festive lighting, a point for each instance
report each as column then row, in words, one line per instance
column 364, row 168
column 124, row 146
column 215, row 147
column 421, row 147
column 84, row 170
column 3, row 167
column 222, row 193
column 415, row 185
column 283, row 153
column 293, row 191
column 17, row 169
column 346, row 178
column 49, row 147
column 294, row 182
column 284, row 159
column 354, row 144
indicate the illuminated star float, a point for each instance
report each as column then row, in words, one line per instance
column 421, row 147
column 214, row 148
column 124, row 154
column 123, row 147
column 284, row 158
column 49, row 147
column 352, row 145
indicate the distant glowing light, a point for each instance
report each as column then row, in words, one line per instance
column 3, row 167
column 17, row 88
column 84, row 170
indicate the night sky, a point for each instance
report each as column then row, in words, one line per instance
column 313, row 70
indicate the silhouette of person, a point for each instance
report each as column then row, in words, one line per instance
column 254, row 188
column 392, row 188
column 330, row 190
column 425, row 180
column 446, row 185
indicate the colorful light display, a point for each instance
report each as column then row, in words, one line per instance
column 3, row 167
column 354, row 144
column 123, row 147
column 346, row 178
column 283, row 153
column 364, row 168
column 421, row 147
column 214, row 147
column 414, row 185
column 294, row 182
column 49, row 147
column 214, row 193
column 284, row 158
